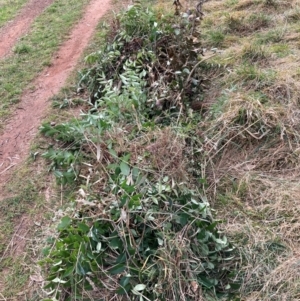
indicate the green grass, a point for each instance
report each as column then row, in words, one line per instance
column 280, row 49
column 17, row 216
column 16, row 278
column 255, row 53
column 215, row 38
column 272, row 36
column 9, row 8
column 34, row 51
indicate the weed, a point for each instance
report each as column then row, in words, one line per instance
column 138, row 225
column 292, row 15
column 258, row 21
column 270, row 3
column 241, row 23
column 126, row 233
column 234, row 23
column 230, row 3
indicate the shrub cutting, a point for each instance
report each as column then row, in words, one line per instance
column 138, row 230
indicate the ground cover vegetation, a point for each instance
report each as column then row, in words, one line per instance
column 9, row 9
column 21, row 233
column 149, row 169
column 252, row 139
column 20, row 211
column 141, row 226
column 34, row 51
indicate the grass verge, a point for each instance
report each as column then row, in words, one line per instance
column 9, row 9
column 34, row 51
column 250, row 137
column 22, row 216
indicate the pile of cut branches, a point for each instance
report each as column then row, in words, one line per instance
column 140, row 229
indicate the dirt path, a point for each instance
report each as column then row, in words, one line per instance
column 13, row 30
column 18, row 134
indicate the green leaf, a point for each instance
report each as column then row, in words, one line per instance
column 126, row 158
column 125, row 169
column 58, row 280
column 124, row 280
column 121, row 258
column 83, row 227
column 57, row 263
column 139, row 287
column 115, row 243
column 221, row 241
column 68, row 271
column 46, row 251
column 64, row 223
column 208, row 283
column 81, row 268
column 117, row 269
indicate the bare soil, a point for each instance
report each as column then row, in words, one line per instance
column 23, row 125
column 13, row 30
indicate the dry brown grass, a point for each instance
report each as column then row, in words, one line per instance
column 263, row 217
column 160, row 151
column 251, row 144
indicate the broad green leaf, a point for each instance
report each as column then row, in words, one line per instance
column 221, row 241
column 65, row 223
column 46, row 251
column 68, row 271
column 115, row 243
column 81, row 269
column 83, row 227
column 126, row 158
column 208, row 283
column 125, row 169
column 117, row 269
column 124, row 280
column 57, row 263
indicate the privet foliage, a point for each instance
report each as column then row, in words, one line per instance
column 138, row 236
column 153, row 234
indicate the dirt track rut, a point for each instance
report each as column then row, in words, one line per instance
column 23, row 125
